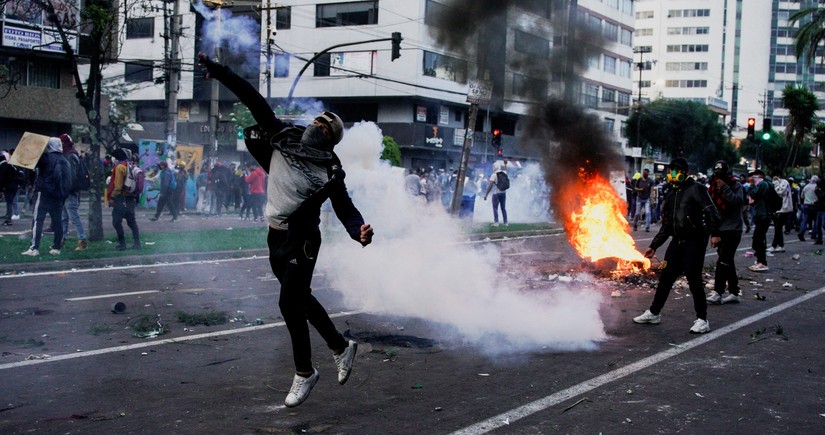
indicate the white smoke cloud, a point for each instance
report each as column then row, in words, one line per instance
column 238, row 34
column 418, row 267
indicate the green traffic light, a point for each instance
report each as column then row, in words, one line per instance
column 766, row 136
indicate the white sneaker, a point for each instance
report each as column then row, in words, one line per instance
column 648, row 317
column 771, row 249
column 731, row 299
column 301, row 387
column 31, row 252
column 54, row 251
column 779, row 249
column 700, row 327
column 758, row 267
column 713, row 298
column 495, row 224
column 344, row 361
column 15, row 217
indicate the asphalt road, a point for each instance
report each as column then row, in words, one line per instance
column 71, row 365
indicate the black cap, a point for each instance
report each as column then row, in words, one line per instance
column 679, row 163
column 721, row 167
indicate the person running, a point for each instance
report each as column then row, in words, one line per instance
column 305, row 172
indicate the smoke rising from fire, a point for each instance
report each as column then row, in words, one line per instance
column 418, row 266
column 240, row 35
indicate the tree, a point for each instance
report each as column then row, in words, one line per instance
column 810, row 34
column 681, row 129
column 391, row 151
column 818, row 140
column 802, row 105
column 773, row 152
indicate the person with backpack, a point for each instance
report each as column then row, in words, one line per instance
column 123, row 198
column 783, row 215
column 168, row 187
column 305, row 173
column 500, row 182
column 759, row 192
column 727, row 195
column 80, row 182
column 51, row 187
column 8, row 186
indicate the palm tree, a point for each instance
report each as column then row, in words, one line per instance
column 802, row 105
column 811, row 33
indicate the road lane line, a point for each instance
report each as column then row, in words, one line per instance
column 156, row 343
column 127, row 267
column 111, row 295
column 558, row 397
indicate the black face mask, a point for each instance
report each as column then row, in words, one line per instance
column 314, row 137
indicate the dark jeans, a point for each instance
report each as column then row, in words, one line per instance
column 167, row 199
column 500, row 199
column 258, row 201
column 683, row 257
column 760, row 239
column 779, row 226
column 725, row 267
column 43, row 205
column 124, row 208
column 220, row 200
column 292, row 256
column 808, row 219
column 746, row 217
column 9, row 196
column 246, row 205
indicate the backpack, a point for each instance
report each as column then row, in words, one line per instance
column 502, row 181
column 135, row 179
column 80, row 179
column 59, row 182
column 772, row 199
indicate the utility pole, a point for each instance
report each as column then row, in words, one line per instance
column 641, row 65
column 764, row 103
column 480, row 91
column 214, row 111
column 172, row 77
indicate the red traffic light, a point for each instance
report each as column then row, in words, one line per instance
column 751, row 122
column 500, row 152
column 496, row 132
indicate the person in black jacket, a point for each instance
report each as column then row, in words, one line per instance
column 728, row 197
column 688, row 218
column 304, row 173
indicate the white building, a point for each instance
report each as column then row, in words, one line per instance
column 419, row 98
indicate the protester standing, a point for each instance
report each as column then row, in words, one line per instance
column 783, row 188
column 726, row 194
column 122, row 201
column 71, row 208
column 758, row 193
column 51, row 187
column 499, row 193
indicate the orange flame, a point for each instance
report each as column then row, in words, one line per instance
column 596, row 225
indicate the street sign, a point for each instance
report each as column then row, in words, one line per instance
column 240, row 143
column 480, row 92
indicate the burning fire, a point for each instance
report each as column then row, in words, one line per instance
column 596, row 225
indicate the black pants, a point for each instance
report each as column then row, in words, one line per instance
column 168, row 199
column 683, row 257
column 45, row 204
column 779, row 226
column 760, row 239
column 292, row 256
column 725, row 267
column 124, row 208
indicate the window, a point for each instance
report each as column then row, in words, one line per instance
column 624, row 68
column 432, row 11
column 644, row 32
column 686, row 66
column 35, row 73
column 686, row 83
column 524, row 86
column 688, row 13
column 624, row 103
column 321, row 66
column 590, row 96
column 281, row 68
column 627, row 37
column 444, row 67
column 608, row 95
column 609, row 124
column 610, row 64
column 346, row 14
column 532, row 44
column 644, row 84
column 140, row 28
column 283, row 18
column 687, row 48
column 610, row 31
column 137, row 72
column 641, row 15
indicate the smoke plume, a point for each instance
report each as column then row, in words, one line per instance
column 239, row 35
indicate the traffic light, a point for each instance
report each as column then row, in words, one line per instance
column 499, row 152
column 497, row 142
column 751, row 125
column 396, row 45
column 766, row 128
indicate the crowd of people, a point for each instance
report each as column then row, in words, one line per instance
column 722, row 207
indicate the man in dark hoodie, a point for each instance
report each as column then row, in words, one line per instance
column 688, row 218
column 72, row 205
column 728, row 197
column 51, row 187
column 304, row 173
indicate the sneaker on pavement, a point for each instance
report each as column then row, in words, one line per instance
column 15, row 217
column 779, row 249
column 714, row 298
column 758, row 267
column 7, row 223
column 344, row 361
column 82, row 245
column 731, row 299
column 700, row 327
column 301, row 387
column 771, row 249
column 54, row 251
column 31, row 252
column 648, row 317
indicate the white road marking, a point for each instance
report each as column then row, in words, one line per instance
column 558, row 397
column 127, row 267
column 111, row 295
column 128, row 347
